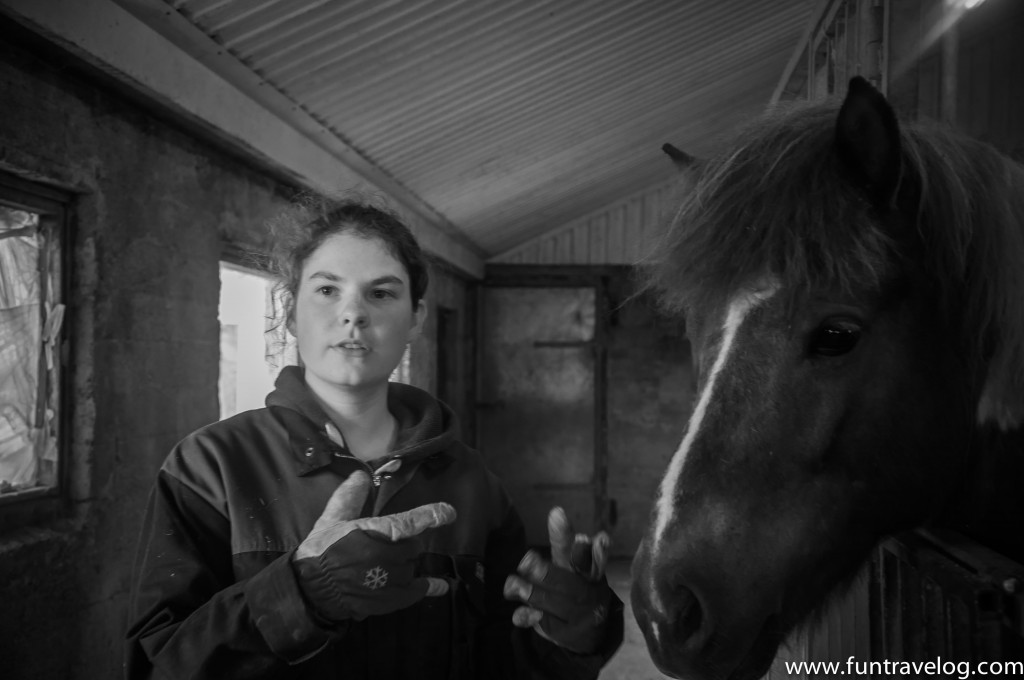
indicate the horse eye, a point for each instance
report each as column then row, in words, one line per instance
column 835, row 337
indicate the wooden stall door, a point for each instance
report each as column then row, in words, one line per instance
column 536, row 401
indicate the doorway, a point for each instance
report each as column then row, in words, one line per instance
column 541, row 402
column 584, row 391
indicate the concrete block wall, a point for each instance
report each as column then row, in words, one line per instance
column 155, row 207
column 152, row 208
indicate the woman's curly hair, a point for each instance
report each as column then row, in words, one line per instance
column 296, row 233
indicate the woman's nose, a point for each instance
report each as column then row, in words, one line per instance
column 354, row 314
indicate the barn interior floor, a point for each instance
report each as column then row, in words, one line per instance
column 631, row 662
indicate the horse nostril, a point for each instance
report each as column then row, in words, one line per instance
column 668, row 608
column 674, row 624
column 688, row 614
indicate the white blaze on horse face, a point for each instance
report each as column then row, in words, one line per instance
column 739, row 308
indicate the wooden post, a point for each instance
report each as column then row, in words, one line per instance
column 602, row 309
column 950, row 56
column 905, row 38
column 870, row 31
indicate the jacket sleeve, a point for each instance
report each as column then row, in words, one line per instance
column 189, row 618
column 511, row 652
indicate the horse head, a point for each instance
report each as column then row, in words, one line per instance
column 855, row 323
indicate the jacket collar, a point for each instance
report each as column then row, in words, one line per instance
column 426, row 427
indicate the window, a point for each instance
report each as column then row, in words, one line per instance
column 33, row 352
column 403, row 371
column 848, row 37
column 253, row 345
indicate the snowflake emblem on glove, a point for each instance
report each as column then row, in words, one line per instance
column 375, row 578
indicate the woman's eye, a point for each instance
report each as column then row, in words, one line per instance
column 835, row 337
column 326, row 290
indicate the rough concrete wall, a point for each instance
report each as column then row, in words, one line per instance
column 153, row 208
column 651, row 386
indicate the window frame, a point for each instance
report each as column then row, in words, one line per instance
column 233, row 260
column 53, row 206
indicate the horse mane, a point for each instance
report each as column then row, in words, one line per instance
column 778, row 201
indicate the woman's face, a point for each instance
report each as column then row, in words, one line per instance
column 353, row 312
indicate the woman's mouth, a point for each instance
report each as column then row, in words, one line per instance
column 352, row 347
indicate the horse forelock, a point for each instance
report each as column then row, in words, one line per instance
column 778, row 200
column 774, row 201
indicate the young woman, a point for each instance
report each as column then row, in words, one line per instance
column 343, row 531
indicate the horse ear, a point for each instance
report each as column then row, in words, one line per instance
column 868, row 141
column 682, row 159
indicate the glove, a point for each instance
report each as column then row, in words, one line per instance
column 350, row 567
column 566, row 600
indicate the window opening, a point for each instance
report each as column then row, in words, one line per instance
column 403, row 371
column 32, row 293
column 254, row 347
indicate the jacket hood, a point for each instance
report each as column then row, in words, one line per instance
column 425, row 425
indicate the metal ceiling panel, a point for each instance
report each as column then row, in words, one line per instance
column 511, row 119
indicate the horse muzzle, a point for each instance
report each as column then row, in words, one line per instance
column 692, row 637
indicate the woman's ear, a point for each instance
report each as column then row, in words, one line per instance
column 419, row 318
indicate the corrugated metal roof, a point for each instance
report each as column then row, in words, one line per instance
column 510, row 119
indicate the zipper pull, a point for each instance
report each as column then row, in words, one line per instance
column 386, row 469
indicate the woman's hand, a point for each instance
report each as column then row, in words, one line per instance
column 567, row 599
column 351, row 567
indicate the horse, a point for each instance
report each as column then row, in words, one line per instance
column 853, row 291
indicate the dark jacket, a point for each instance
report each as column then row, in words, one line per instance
column 215, row 594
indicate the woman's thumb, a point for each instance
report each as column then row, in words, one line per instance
column 347, row 500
